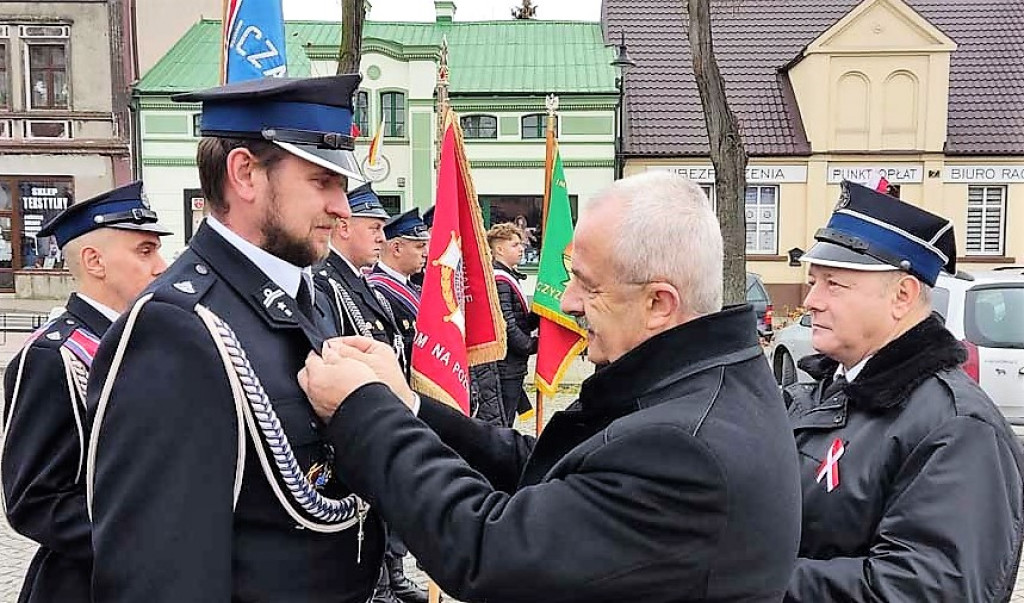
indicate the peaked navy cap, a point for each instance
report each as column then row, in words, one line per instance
column 310, row 118
column 123, row 208
column 428, row 216
column 365, row 203
column 407, row 225
column 872, row 231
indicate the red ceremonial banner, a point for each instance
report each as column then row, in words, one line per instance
column 460, row 322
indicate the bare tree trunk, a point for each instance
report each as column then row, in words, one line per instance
column 727, row 152
column 353, row 13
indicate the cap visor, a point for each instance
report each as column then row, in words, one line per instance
column 422, row 237
column 376, row 212
column 153, row 227
column 339, row 161
column 836, row 256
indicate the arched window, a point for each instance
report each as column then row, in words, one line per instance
column 479, row 126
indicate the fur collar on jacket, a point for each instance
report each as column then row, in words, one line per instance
column 891, row 375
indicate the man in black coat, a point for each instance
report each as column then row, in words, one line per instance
column 912, row 486
column 506, row 243
column 209, row 477
column 672, row 478
column 113, row 254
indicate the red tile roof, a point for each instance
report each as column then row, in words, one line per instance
column 755, row 39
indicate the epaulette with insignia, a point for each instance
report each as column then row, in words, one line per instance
column 186, row 286
column 53, row 334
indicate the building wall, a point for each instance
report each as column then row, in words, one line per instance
column 505, row 166
column 936, row 183
column 160, row 23
column 50, row 157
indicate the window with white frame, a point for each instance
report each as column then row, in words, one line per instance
column 709, row 190
column 986, row 220
column 762, row 210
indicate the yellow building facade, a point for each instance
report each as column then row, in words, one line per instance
column 872, row 94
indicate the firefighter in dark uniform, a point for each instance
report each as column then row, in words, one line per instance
column 356, row 308
column 111, row 247
column 428, row 219
column 404, row 254
column 912, row 486
column 209, row 478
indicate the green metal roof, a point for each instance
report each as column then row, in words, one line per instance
column 491, row 57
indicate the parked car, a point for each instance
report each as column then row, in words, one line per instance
column 757, row 296
column 984, row 310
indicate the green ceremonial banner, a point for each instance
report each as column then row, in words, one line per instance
column 560, row 339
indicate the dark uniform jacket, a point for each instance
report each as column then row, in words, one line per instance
column 519, row 323
column 43, row 462
column 368, row 314
column 927, row 504
column 404, row 301
column 185, row 506
column 672, row 478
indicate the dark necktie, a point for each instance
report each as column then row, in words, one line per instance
column 304, row 299
column 837, row 385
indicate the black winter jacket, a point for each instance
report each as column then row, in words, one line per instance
column 519, row 323
column 673, row 478
column 927, row 496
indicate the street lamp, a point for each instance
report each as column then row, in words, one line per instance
column 622, row 63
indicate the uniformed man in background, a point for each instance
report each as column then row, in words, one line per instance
column 356, row 308
column 404, row 254
column 111, row 246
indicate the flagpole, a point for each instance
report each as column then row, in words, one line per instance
column 551, row 102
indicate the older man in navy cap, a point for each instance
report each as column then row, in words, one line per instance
column 911, row 478
column 208, row 476
column 111, row 247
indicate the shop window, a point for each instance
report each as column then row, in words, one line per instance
column 39, row 201
column 525, row 212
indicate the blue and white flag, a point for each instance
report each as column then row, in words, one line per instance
column 253, row 40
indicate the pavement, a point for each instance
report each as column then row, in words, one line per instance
column 16, row 551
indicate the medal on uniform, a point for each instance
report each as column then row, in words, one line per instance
column 380, row 326
column 318, row 475
column 828, row 470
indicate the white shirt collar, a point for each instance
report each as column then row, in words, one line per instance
column 111, row 314
column 285, row 274
column 854, row 370
column 341, row 255
column 393, row 273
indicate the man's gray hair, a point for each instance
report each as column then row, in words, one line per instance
column 669, row 233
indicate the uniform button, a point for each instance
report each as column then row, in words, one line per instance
column 838, row 419
column 312, row 425
column 202, row 269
